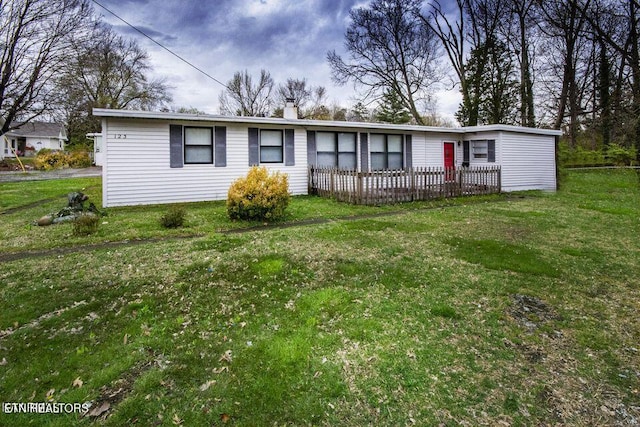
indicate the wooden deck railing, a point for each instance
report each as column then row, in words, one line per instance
column 405, row 185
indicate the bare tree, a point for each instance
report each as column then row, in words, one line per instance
column 35, row 38
column 308, row 98
column 106, row 71
column 616, row 25
column 244, row 98
column 474, row 25
column 525, row 14
column 564, row 24
column 389, row 49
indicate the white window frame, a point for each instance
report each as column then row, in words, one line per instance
column 268, row 148
column 338, row 150
column 385, row 152
column 186, row 145
column 480, row 149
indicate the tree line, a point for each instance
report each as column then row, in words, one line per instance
column 564, row 64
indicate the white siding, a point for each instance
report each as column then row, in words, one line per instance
column 435, row 149
column 428, row 149
column 528, row 162
column 136, row 165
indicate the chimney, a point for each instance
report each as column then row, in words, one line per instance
column 290, row 109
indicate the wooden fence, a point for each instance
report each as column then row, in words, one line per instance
column 405, row 185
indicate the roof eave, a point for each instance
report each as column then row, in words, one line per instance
column 154, row 115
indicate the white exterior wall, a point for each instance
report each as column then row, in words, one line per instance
column 137, row 168
column 427, row 149
column 528, row 162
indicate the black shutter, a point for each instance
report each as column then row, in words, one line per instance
column 220, row 146
column 465, row 153
column 491, row 151
column 312, row 154
column 408, row 162
column 254, row 147
column 364, row 152
column 176, row 151
column 289, row 147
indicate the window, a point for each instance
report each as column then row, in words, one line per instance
column 271, row 146
column 336, row 149
column 386, row 151
column 479, row 149
column 198, row 145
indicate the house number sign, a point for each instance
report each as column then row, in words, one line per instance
column 119, row 136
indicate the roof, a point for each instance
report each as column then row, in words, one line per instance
column 155, row 115
column 37, row 129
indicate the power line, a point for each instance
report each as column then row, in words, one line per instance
column 161, row 45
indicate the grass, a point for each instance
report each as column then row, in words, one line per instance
column 131, row 223
column 522, row 312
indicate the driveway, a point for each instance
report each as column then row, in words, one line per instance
column 13, row 176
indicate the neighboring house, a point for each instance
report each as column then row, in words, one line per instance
column 153, row 157
column 29, row 138
column 97, row 148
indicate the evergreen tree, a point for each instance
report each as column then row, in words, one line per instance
column 392, row 109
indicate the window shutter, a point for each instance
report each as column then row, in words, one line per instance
column 311, row 148
column 491, row 151
column 408, row 162
column 364, row 152
column 465, row 153
column 289, row 147
column 176, row 150
column 220, row 146
column 254, row 147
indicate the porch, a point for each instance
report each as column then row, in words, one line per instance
column 404, row 185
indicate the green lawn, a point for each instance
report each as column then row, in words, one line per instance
column 513, row 311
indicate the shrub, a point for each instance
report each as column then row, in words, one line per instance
column 85, row 224
column 620, row 156
column 51, row 160
column 79, row 159
column 259, row 196
column 174, row 217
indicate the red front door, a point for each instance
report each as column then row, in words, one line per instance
column 449, row 160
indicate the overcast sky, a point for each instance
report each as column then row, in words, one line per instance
column 288, row 38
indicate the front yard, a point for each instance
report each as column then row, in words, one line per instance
column 494, row 310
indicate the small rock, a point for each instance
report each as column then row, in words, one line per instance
column 45, row 220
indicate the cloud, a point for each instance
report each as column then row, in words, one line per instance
column 286, row 38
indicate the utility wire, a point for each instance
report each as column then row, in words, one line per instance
column 161, row 45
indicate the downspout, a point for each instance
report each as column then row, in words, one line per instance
column 105, row 163
column 555, row 146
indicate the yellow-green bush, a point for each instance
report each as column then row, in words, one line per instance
column 259, row 196
column 48, row 160
column 79, row 159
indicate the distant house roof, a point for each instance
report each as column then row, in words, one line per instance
column 38, row 129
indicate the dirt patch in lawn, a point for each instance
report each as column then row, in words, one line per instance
column 114, row 393
column 531, row 312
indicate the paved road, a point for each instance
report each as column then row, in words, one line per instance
column 13, row 176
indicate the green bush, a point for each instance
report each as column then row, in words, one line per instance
column 259, row 196
column 620, row 156
column 174, row 217
column 85, row 224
